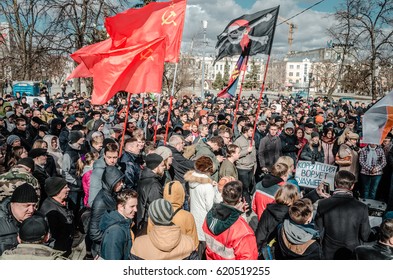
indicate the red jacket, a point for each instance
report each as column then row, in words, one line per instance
column 237, row 242
column 264, row 193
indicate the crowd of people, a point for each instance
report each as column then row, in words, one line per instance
column 194, row 181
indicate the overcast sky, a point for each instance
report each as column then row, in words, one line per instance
column 311, row 25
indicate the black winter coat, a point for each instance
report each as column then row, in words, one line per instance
column 270, row 219
column 180, row 165
column 343, row 223
column 377, row 251
column 9, row 227
column 149, row 189
column 61, row 225
column 288, row 147
column 313, row 251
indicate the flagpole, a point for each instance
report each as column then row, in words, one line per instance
column 240, row 93
column 264, row 79
column 170, row 104
column 125, row 124
column 158, row 113
column 260, row 99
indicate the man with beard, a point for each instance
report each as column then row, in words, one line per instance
column 149, row 187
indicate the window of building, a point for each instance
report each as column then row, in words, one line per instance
column 297, row 66
column 290, row 74
column 290, row 66
column 297, row 74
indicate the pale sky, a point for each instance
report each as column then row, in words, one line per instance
column 311, row 25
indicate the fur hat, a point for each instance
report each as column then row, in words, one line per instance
column 25, row 193
column 204, row 164
column 153, row 160
column 161, row 212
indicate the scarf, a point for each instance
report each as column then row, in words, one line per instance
column 372, row 156
column 299, row 234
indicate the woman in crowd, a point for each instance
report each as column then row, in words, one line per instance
column 53, row 145
column 327, row 144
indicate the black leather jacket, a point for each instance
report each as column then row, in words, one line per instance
column 377, row 251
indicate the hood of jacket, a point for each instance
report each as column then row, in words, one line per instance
column 97, row 124
column 99, row 163
column 110, row 177
column 113, row 217
column 270, row 180
column 195, row 178
column 165, row 238
column 86, row 169
column 175, row 194
column 221, row 217
column 48, row 140
column 278, row 211
column 299, row 234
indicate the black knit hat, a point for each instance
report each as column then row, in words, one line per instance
column 25, row 193
column 153, row 160
column 28, row 162
column 33, row 228
column 53, row 185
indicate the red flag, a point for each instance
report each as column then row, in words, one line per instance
column 99, row 47
column 80, row 72
column 157, row 19
column 134, row 69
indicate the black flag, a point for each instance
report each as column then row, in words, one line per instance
column 255, row 31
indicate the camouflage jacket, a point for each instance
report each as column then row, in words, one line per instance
column 12, row 179
column 32, row 252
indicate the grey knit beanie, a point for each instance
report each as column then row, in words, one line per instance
column 161, row 212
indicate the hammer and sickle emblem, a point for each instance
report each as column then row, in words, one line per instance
column 168, row 18
column 147, row 54
column 235, row 74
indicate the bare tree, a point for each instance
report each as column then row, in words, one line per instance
column 30, row 37
column 368, row 23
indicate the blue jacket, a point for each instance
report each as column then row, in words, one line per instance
column 116, row 240
column 131, row 166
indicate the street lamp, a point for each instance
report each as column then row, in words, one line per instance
column 204, row 24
